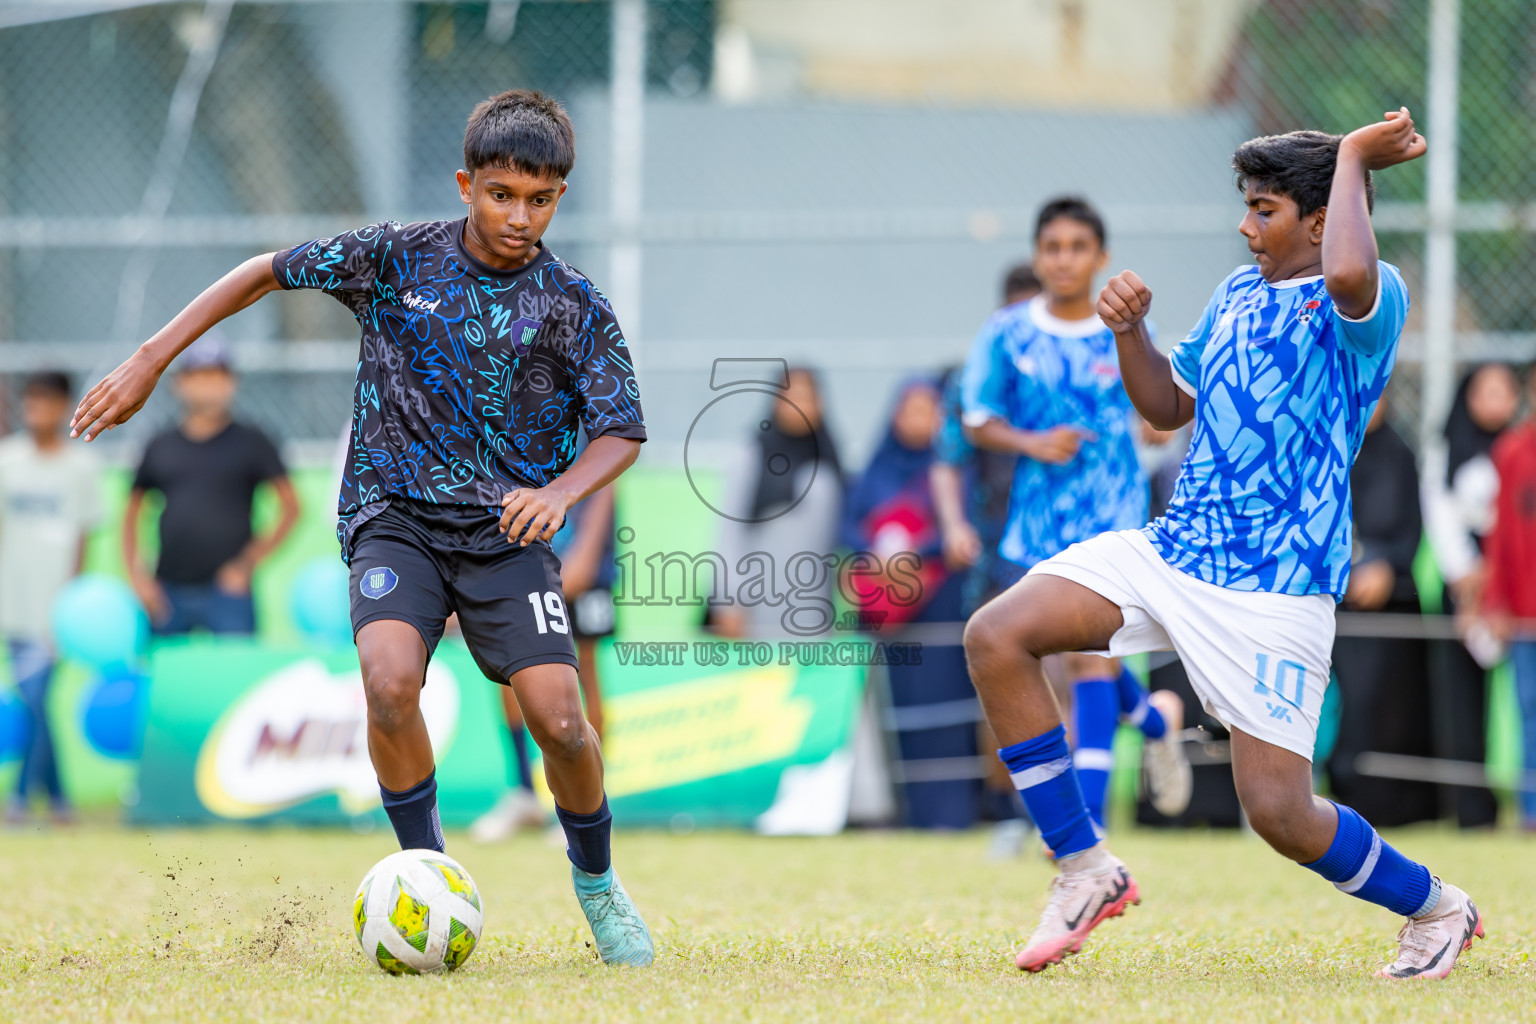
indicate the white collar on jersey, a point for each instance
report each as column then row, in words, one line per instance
column 1055, row 325
column 1294, row 282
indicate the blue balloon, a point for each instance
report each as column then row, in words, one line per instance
column 321, row 601
column 97, row 620
column 114, row 713
column 15, row 726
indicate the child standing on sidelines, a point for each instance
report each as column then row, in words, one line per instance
column 1042, row 382
column 482, row 355
column 1509, row 596
column 49, row 501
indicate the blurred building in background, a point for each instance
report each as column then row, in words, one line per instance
column 838, row 182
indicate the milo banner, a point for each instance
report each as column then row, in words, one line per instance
column 241, row 731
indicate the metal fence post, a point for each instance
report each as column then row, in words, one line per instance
column 1440, row 235
column 626, row 152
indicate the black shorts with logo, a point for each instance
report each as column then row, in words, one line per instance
column 419, row 563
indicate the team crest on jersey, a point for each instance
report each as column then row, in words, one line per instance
column 1307, row 310
column 378, row 582
column 523, row 330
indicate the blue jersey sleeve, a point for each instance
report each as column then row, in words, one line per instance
column 984, row 381
column 1377, row 332
column 1185, row 356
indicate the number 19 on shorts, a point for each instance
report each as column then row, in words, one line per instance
column 549, row 612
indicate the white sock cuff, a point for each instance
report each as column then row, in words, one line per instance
column 1092, row 860
column 1093, row 759
column 1431, row 901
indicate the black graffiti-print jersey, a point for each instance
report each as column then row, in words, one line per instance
column 471, row 381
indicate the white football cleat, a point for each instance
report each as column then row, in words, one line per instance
column 1009, row 839
column 1170, row 783
column 1427, row 947
column 517, row 809
column 1079, row 901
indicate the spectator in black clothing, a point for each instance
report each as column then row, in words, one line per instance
column 1459, row 489
column 1383, row 682
column 207, row 470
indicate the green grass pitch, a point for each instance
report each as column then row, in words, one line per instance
column 109, row 924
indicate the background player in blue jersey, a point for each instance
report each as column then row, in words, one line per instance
column 482, row 354
column 1043, row 382
column 1241, row 575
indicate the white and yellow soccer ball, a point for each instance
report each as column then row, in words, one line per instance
column 417, row 912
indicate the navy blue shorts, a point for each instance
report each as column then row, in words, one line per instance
column 419, row 563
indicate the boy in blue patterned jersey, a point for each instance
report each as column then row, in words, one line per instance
column 482, row 355
column 1043, row 382
column 1241, row 575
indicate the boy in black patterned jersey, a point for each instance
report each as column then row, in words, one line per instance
column 482, row 353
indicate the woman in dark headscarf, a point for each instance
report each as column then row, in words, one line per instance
column 891, row 515
column 890, row 505
column 1459, row 487
column 783, row 498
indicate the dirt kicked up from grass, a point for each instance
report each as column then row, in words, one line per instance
column 109, row 924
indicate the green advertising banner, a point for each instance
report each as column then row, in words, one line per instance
column 241, row 731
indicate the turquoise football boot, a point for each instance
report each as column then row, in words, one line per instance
column 622, row 937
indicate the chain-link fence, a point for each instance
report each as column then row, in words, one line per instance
column 841, row 182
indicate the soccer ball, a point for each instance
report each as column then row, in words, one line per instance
column 417, row 912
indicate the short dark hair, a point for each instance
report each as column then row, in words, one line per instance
column 1298, row 165
column 1073, row 208
column 1020, row 279
column 522, row 130
column 48, row 382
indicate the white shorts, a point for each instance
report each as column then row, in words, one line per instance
column 1258, row 661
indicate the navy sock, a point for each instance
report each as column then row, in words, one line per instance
column 1359, row 863
column 520, row 762
column 587, row 837
column 413, row 813
column 1096, row 715
column 1135, row 708
column 1043, row 774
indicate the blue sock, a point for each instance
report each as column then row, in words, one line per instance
column 1043, row 774
column 587, row 837
column 1359, row 863
column 521, row 764
column 413, row 813
column 1135, row 708
column 1096, row 715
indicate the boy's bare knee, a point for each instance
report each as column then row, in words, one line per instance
column 993, row 633
column 562, row 736
column 393, row 695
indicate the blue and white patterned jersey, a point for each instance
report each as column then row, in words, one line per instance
column 1284, row 385
column 1036, row 371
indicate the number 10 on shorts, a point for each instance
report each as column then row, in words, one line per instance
column 1285, row 671
column 549, row 604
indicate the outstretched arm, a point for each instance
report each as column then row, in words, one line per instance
column 1349, row 245
column 124, row 391
column 1146, row 372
